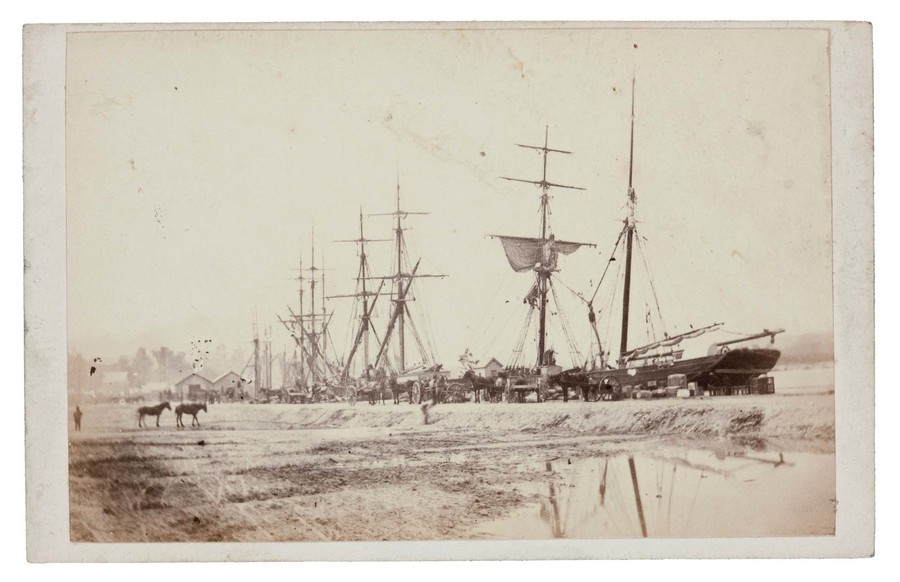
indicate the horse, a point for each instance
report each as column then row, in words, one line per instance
column 192, row 409
column 397, row 389
column 152, row 411
column 492, row 392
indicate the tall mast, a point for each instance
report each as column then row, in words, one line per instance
column 305, row 322
column 256, row 374
column 401, row 295
column 629, row 236
column 302, row 327
column 324, row 319
column 545, row 198
column 365, row 324
column 312, row 311
column 543, row 274
column 365, row 299
column 270, row 384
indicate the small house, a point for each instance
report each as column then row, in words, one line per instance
column 230, row 385
column 193, row 388
column 490, row 370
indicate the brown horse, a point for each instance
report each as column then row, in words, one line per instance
column 477, row 384
column 493, row 392
column 192, row 409
column 398, row 389
column 152, row 411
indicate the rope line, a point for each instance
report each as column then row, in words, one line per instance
column 520, row 344
column 484, row 321
column 612, row 256
column 501, row 330
column 574, row 353
column 643, row 254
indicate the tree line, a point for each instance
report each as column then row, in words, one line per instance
column 150, row 366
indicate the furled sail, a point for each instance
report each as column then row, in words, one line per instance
column 634, row 353
column 524, row 254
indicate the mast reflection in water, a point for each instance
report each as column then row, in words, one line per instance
column 677, row 493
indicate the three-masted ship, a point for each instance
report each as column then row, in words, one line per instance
column 312, row 368
column 402, row 294
column 358, row 361
column 372, row 357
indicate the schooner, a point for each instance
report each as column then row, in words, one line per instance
column 657, row 364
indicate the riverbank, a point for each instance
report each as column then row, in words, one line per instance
column 335, row 472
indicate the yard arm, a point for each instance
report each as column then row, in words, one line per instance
column 393, row 321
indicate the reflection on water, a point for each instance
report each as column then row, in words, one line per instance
column 674, row 492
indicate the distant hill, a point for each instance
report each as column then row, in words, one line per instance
column 808, row 348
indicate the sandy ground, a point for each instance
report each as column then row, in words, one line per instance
column 335, row 472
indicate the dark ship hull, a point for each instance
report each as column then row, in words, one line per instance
column 734, row 368
column 717, row 374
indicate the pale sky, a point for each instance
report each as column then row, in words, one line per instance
column 198, row 162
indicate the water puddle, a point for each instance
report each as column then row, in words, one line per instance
column 676, row 492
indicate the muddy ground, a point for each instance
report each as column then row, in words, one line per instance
column 334, row 472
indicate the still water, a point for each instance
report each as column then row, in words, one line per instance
column 676, row 492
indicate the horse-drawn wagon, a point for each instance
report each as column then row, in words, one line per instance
column 373, row 390
column 381, row 386
column 421, row 385
column 413, row 386
column 490, row 389
column 437, row 385
column 551, row 383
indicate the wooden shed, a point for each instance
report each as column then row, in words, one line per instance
column 489, row 370
column 230, row 385
column 193, row 388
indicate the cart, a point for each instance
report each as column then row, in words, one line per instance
column 459, row 390
column 419, row 385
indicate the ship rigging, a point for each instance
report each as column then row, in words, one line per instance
column 366, row 301
column 651, row 365
column 540, row 255
column 403, row 292
column 310, row 329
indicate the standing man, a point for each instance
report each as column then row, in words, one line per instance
column 78, row 414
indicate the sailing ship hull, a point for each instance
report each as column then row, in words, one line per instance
column 716, row 372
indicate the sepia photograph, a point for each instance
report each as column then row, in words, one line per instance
column 428, row 283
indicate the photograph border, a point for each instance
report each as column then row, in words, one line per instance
column 46, row 412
